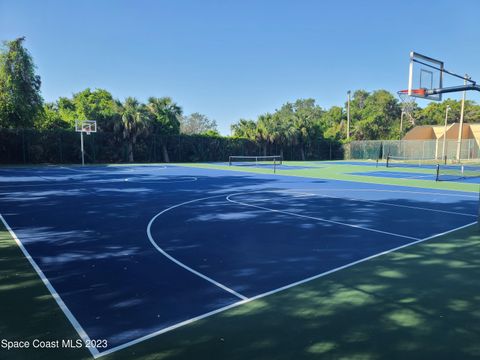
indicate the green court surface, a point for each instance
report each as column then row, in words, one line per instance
column 419, row 302
column 342, row 170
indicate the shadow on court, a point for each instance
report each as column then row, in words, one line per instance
column 90, row 241
column 417, row 303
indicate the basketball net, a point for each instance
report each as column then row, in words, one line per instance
column 408, row 105
column 87, row 129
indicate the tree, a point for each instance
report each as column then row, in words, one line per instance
column 296, row 124
column 434, row 112
column 50, row 118
column 197, row 123
column 266, row 132
column 20, row 99
column 211, row 133
column 97, row 105
column 134, row 122
column 165, row 115
column 331, row 123
column 244, row 129
column 378, row 118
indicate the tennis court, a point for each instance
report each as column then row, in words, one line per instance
column 132, row 252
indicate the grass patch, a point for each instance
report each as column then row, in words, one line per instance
column 27, row 310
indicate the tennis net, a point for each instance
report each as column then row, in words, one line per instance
column 255, row 160
column 398, row 161
column 457, row 171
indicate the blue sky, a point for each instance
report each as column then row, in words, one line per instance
column 238, row 59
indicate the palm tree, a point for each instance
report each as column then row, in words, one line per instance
column 264, row 133
column 134, row 122
column 244, row 129
column 166, row 116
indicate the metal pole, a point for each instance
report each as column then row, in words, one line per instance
column 445, row 132
column 460, row 127
column 401, row 124
column 81, row 145
column 348, row 114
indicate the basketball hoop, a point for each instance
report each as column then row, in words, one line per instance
column 409, row 102
column 87, row 127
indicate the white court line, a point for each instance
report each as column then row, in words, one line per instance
column 173, row 327
column 398, row 205
column 304, row 194
column 317, row 218
column 458, row 193
column 97, row 354
column 83, row 335
column 150, row 237
column 90, row 183
column 271, row 292
column 105, row 169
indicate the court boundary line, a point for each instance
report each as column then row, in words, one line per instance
column 318, row 218
column 49, row 182
column 271, row 292
column 398, row 205
column 467, row 194
column 377, row 202
column 178, row 262
column 76, row 325
column 96, row 354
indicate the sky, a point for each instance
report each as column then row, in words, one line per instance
column 238, row 59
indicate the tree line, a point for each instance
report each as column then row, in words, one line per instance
column 21, row 106
column 373, row 115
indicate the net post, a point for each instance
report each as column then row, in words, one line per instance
column 437, row 177
column 229, row 161
column 274, row 165
column 388, row 161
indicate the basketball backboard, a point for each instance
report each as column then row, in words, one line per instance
column 425, row 73
column 87, row 126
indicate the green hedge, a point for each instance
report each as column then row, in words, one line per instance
column 27, row 146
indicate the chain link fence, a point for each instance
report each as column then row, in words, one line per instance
column 412, row 149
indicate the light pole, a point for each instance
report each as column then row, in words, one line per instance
column 348, row 114
column 445, row 132
column 460, row 126
column 401, row 124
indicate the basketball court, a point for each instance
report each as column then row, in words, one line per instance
column 132, row 252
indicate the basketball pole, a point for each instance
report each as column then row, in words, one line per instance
column 401, row 124
column 445, row 132
column 81, row 146
column 348, row 114
column 460, row 127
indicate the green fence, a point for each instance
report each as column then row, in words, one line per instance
column 412, row 149
column 25, row 146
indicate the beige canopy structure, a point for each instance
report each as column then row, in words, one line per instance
column 437, row 133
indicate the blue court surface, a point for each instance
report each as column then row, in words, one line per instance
column 133, row 252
